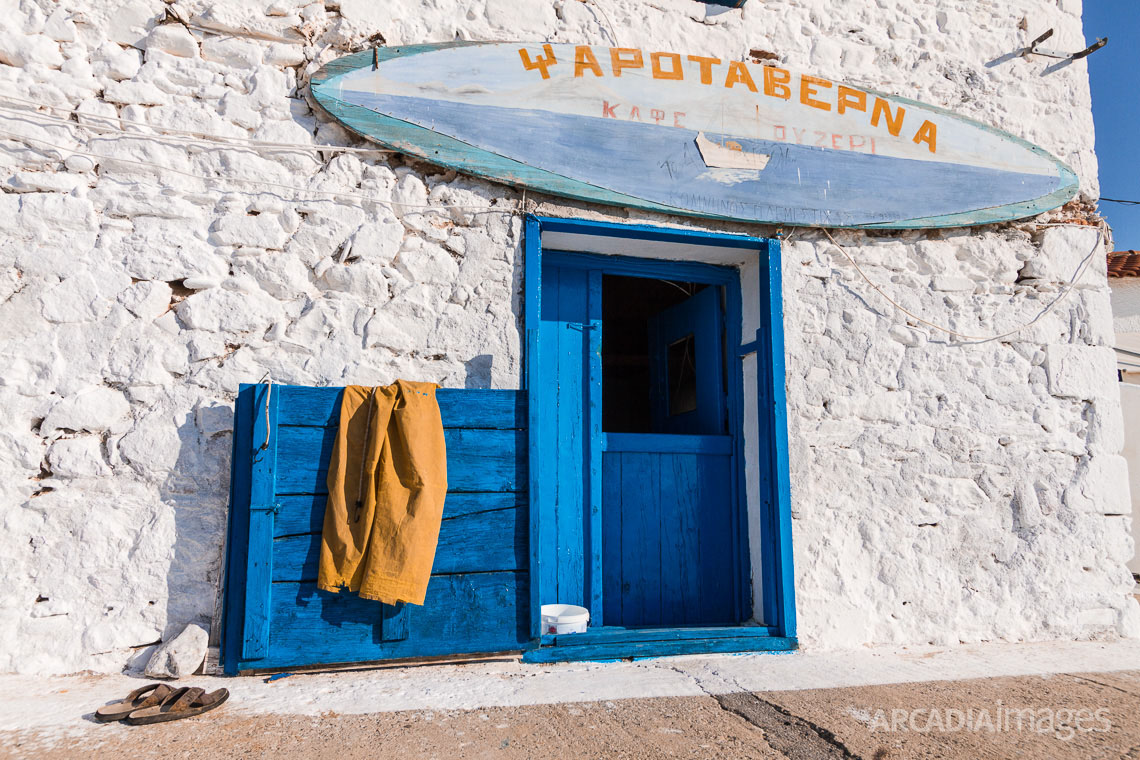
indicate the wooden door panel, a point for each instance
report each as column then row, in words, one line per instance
column 667, row 541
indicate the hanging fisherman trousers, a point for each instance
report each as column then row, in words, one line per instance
column 387, row 482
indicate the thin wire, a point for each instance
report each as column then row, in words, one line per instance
column 182, row 135
column 247, row 34
column 152, row 165
column 1117, row 200
column 678, row 287
column 609, row 23
column 977, row 338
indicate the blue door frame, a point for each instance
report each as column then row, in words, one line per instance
column 778, row 610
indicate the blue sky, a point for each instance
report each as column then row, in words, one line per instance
column 1114, row 72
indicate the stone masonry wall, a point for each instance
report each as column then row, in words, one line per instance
column 942, row 491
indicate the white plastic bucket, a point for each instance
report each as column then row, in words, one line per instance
column 564, row 618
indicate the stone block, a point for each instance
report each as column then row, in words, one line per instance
column 181, row 656
column 135, row 93
column 147, row 300
column 77, row 458
column 173, row 39
column 22, row 50
column 128, row 24
column 218, row 309
column 94, row 411
column 259, row 231
column 1060, row 253
column 231, row 52
column 1100, row 485
column 951, row 284
column 378, row 241
column 1081, row 372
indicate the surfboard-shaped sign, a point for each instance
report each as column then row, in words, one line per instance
column 689, row 134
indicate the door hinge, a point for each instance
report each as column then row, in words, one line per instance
column 274, row 508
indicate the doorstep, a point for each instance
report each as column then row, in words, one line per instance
column 616, row 643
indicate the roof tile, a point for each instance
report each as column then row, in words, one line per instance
column 1124, row 264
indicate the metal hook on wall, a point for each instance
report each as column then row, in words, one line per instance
column 1035, row 49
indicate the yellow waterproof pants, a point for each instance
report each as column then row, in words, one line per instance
column 387, row 482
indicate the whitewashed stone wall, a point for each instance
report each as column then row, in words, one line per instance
column 941, row 492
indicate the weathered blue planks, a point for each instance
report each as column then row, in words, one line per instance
column 495, row 409
column 778, row 574
column 479, row 593
column 537, row 414
column 642, row 649
column 685, row 538
column 571, row 335
column 475, row 543
column 710, row 480
column 616, row 634
column 593, row 584
column 479, row 612
column 304, row 513
column 653, row 443
column 262, row 506
column 478, row 460
column 565, row 338
column 641, row 506
column 612, row 570
column 237, row 541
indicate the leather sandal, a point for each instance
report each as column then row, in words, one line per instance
column 183, row 703
column 156, row 694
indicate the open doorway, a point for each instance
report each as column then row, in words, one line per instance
column 654, row 357
column 661, row 470
column 640, row 370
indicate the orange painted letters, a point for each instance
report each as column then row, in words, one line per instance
column 543, row 62
column 807, row 89
column 738, row 74
column 776, row 82
column 584, row 60
column 706, row 65
column 675, row 70
column 894, row 123
column 625, row 58
column 856, row 100
column 927, row 133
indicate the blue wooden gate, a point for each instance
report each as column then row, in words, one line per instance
column 478, row 599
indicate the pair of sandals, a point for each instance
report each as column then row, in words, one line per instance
column 157, row 703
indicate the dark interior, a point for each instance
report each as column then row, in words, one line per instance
column 627, row 305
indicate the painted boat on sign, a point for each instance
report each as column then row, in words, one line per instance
column 689, row 134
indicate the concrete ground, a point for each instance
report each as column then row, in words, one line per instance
column 1062, row 700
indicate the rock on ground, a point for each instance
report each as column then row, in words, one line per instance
column 181, row 656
